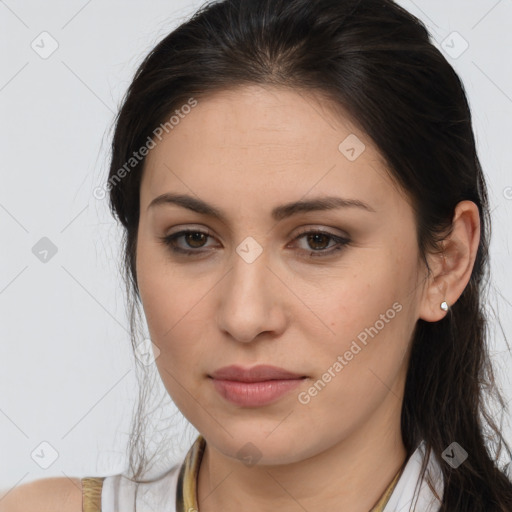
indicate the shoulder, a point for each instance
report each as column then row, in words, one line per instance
column 44, row 495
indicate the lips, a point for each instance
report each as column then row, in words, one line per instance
column 254, row 387
column 258, row 373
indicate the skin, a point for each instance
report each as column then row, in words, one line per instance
column 245, row 151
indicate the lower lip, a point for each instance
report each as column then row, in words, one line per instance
column 254, row 394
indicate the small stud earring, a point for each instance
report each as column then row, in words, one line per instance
column 444, row 306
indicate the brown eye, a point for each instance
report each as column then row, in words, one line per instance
column 195, row 240
column 318, row 241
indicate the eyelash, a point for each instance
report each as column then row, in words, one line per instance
column 341, row 242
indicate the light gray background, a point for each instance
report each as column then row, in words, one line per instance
column 66, row 367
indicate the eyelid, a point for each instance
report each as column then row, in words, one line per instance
column 189, row 228
column 316, row 228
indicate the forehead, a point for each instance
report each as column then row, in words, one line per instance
column 251, row 118
column 259, row 141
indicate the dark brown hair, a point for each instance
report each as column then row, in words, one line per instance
column 376, row 61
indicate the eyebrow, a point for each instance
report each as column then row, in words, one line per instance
column 278, row 213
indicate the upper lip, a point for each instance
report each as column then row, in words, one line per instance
column 255, row 374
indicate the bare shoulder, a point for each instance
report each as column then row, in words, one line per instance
column 54, row 494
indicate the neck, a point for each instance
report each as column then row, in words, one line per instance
column 352, row 474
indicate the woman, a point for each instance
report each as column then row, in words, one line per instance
column 307, row 231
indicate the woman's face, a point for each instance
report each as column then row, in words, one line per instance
column 258, row 289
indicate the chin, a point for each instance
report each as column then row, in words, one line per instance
column 256, row 446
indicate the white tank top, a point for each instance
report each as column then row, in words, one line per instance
column 118, row 494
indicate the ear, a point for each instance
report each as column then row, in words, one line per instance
column 451, row 269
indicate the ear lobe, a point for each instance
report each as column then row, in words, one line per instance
column 435, row 294
column 451, row 269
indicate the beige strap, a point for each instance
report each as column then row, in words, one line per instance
column 91, row 494
column 379, row 507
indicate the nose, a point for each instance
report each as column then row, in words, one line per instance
column 251, row 301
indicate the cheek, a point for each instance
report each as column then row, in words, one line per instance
column 168, row 297
column 364, row 361
column 175, row 321
column 173, row 309
column 368, row 313
column 364, row 298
